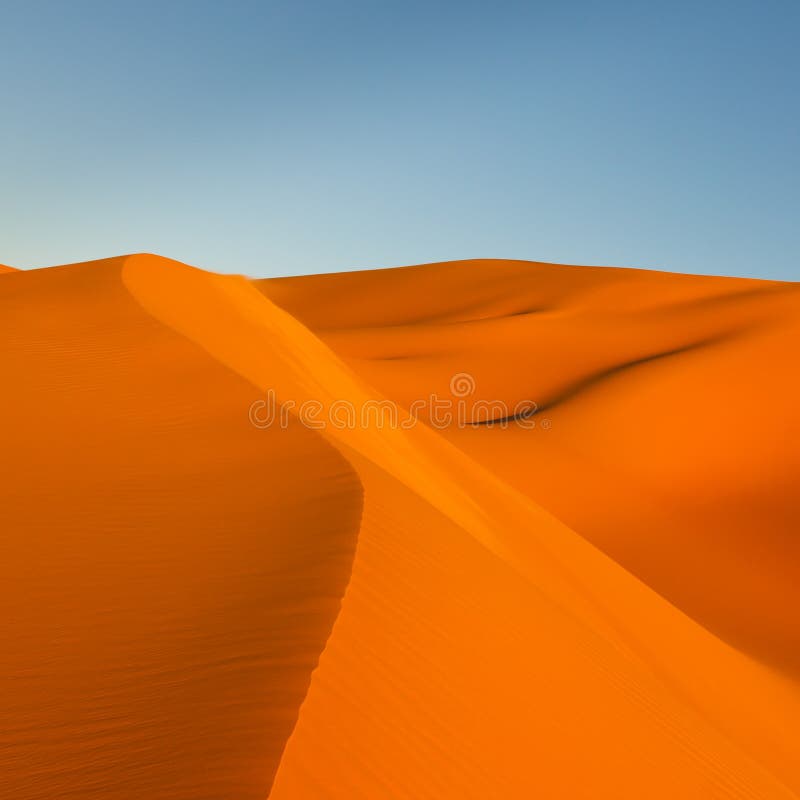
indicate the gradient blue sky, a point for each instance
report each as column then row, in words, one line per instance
column 276, row 138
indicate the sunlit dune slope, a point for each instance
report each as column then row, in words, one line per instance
column 4, row 268
column 488, row 612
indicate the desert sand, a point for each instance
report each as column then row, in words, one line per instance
column 601, row 603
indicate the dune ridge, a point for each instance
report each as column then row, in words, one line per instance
column 490, row 638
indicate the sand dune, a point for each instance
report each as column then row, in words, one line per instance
column 601, row 604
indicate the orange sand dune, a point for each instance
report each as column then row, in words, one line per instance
column 598, row 604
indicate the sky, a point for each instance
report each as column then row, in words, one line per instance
column 280, row 138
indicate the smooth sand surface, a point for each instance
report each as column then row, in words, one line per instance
column 602, row 604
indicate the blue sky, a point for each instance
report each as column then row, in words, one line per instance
column 276, row 138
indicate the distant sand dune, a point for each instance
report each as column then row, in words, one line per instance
column 600, row 606
column 672, row 403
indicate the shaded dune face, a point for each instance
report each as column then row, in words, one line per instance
column 170, row 574
column 670, row 399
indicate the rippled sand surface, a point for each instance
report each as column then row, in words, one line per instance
column 599, row 603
